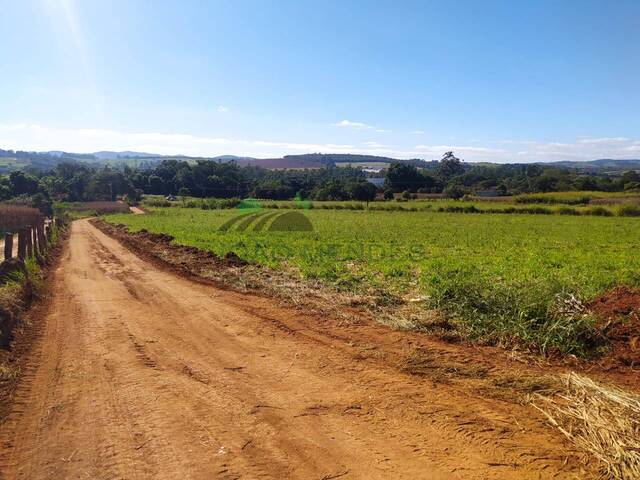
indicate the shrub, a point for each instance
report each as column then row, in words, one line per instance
column 599, row 212
column 15, row 217
column 156, row 202
column 568, row 211
column 629, row 210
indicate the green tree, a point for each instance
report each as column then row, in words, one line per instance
column 403, row 176
column 450, row 166
column 455, row 191
column 362, row 191
column 22, row 183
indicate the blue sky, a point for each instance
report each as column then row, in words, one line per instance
column 495, row 81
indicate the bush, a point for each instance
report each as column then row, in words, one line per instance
column 15, row 217
column 599, row 212
column 568, row 211
column 156, row 202
column 454, row 191
column 629, row 210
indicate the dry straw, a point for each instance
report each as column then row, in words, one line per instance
column 603, row 421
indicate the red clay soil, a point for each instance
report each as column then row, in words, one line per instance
column 619, row 311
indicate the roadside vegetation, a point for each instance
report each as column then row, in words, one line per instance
column 500, row 279
column 15, row 217
column 74, row 210
column 21, row 282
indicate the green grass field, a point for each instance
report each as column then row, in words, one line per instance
column 497, row 276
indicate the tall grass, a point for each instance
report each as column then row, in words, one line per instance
column 89, row 209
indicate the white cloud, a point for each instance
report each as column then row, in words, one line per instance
column 350, row 124
column 375, row 145
column 359, row 126
column 603, row 140
column 34, row 137
column 416, row 132
column 222, row 109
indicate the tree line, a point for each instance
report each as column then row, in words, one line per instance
column 77, row 181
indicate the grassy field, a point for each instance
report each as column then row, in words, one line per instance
column 498, row 277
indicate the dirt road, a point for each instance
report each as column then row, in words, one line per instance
column 142, row 374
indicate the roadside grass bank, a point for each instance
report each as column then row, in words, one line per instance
column 75, row 210
column 522, row 280
column 21, row 284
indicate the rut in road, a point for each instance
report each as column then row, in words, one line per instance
column 139, row 373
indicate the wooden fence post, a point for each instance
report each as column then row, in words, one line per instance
column 8, row 246
column 22, row 244
column 42, row 239
column 29, row 242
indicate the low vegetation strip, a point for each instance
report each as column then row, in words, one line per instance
column 90, row 209
column 500, row 279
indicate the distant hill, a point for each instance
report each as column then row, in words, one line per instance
column 319, row 160
column 606, row 164
column 108, row 155
column 230, row 158
column 13, row 160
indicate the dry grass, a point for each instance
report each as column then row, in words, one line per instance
column 15, row 217
column 8, row 373
column 97, row 208
column 604, row 421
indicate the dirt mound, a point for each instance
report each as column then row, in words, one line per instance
column 617, row 302
column 186, row 256
column 619, row 313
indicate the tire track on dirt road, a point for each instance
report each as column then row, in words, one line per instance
column 142, row 374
